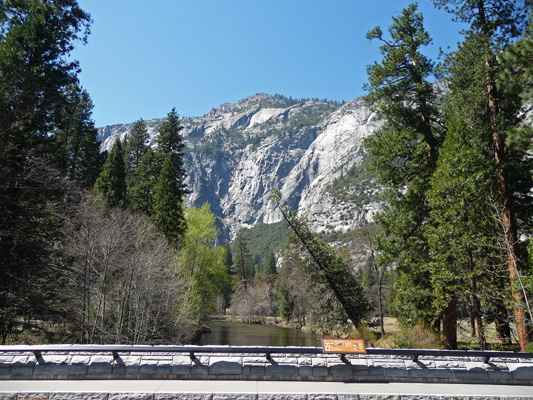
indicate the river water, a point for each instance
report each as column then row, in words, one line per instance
column 225, row 333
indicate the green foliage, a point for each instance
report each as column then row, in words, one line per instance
column 141, row 185
column 403, row 154
column 73, row 146
column 331, row 274
column 264, row 239
column 135, row 146
column 167, row 213
column 242, row 267
column 111, row 182
column 201, row 264
column 36, row 74
column 417, row 337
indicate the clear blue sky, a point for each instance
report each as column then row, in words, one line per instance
column 143, row 58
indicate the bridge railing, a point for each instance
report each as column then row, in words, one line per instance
column 116, row 350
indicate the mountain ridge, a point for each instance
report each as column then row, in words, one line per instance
column 238, row 153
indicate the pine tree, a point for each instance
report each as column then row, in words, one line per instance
column 271, row 264
column 492, row 26
column 169, row 191
column 135, row 147
column 242, row 260
column 141, row 185
column 167, row 213
column 36, row 41
column 112, row 181
column 404, row 154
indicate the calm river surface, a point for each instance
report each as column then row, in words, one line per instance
column 225, row 333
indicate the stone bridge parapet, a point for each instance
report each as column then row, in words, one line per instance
column 281, row 367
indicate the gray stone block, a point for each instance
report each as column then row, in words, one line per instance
column 254, row 360
column 80, row 360
column 148, row 369
column 60, row 369
column 181, row 370
column 364, row 396
column 182, row 360
column 305, row 371
column 286, row 360
column 101, row 359
column 131, row 360
column 397, row 374
column 305, row 361
column 234, row 396
column 320, row 371
column 475, row 366
column 282, row 396
column 165, row 370
column 23, row 361
column 259, row 370
column 78, row 395
column 99, row 368
column 319, row 362
column 55, row 358
column 226, row 367
column 131, row 396
column 347, row 396
column 132, row 370
column 33, row 396
column 199, row 370
column 498, row 377
column 183, row 396
column 340, row 370
column 281, row 370
column 8, row 396
column 461, row 376
column 22, row 371
column 322, row 396
column 522, row 373
column 119, row 369
column 6, row 359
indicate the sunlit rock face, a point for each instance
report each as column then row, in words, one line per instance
column 239, row 153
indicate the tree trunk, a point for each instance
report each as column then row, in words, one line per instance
column 449, row 323
column 507, row 219
column 476, row 304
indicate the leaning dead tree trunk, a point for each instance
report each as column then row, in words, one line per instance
column 330, row 267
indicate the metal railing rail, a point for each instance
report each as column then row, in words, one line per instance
column 116, row 350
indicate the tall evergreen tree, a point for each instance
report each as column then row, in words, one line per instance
column 242, row 260
column 404, row 152
column 492, row 26
column 141, row 185
column 74, row 147
column 112, row 181
column 135, row 147
column 167, row 212
column 36, row 39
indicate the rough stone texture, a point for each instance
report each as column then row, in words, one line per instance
column 237, row 178
column 299, row 367
column 183, row 396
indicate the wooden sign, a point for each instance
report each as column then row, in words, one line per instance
column 343, row 346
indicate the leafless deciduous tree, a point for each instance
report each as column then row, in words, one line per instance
column 123, row 277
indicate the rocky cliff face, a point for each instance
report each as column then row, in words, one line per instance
column 239, row 153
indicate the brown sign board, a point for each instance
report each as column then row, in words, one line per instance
column 343, row 346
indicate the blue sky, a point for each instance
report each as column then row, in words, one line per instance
column 143, row 58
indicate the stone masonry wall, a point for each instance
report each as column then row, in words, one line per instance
column 284, row 367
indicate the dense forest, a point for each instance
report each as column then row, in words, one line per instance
column 100, row 247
